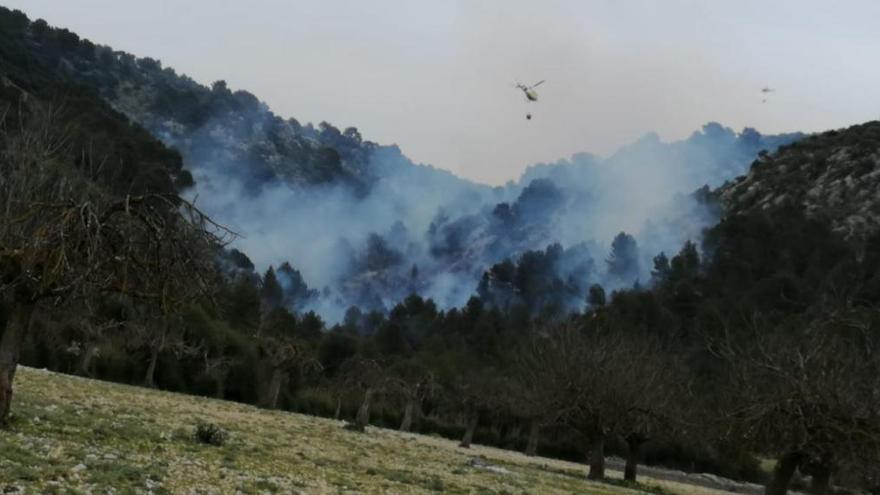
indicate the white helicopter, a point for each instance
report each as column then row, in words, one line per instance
column 531, row 94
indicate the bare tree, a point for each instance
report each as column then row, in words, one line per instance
column 414, row 384
column 63, row 236
column 647, row 394
column 92, row 334
column 79, row 330
column 217, row 368
column 804, row 389
column 476, row 395
column 366, row 376
column 561, row 365
column 537, row 392
column 583, row 368
column 159, row 333
column 601, row 381
column 285, row 356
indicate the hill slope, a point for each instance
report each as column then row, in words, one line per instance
column 231, row 132
column 74, row 433
column 834, row 175
column 131, row 159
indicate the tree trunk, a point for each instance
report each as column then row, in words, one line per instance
column 150, row 376
column 220, row 387
column 820, row 479
column 11, row 341
column 633, row 454
column 512, row 436
column 597, row 459
column 406, row 424
column 85, row 364
column 468, row 437
column 338, row 413
column 363, row 415
column 782, row 474
column 534, row 436
column 156, row 348
column 274, row 389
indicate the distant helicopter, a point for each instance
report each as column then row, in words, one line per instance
column 529, row 91
column 531, row 94
column 766, row 90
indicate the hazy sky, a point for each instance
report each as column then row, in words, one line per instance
column 435, row 77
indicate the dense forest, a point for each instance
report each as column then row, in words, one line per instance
column 755, row 338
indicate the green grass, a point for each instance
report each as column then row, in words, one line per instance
column 72, row 435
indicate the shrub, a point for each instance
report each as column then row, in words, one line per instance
column 209, row 433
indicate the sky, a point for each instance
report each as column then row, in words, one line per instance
column 437, row 77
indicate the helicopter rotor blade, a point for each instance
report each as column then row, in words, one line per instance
column 537, row 84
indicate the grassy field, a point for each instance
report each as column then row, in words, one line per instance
column 73, row 435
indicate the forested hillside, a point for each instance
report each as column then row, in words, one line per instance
column 380, row 227
column 132, row 159
column 728, row 326
column 228, row 130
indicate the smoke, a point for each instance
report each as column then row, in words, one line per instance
column 353, row 247
column 360, row 224
column 406, row 228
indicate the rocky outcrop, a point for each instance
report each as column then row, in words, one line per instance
column 834, row 176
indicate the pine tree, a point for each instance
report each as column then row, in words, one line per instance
column 623, row 263
column 271, row 293
column 660, row 273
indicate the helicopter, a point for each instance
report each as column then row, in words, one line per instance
column 767, row 90
column 531, row 94
column 529, row 91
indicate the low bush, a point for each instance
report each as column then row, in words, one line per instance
column 209, row 433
